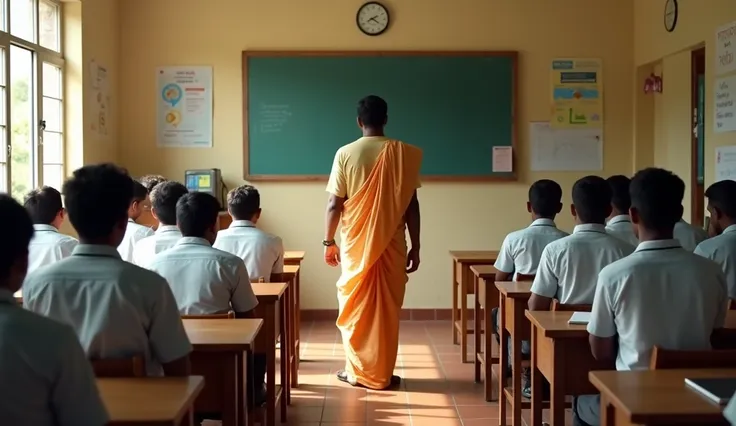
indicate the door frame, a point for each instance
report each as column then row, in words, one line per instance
column 697, row 196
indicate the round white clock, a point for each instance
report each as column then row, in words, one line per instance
column 372, row 18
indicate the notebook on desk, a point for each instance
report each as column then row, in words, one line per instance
column 579, row 318
column 719, row 391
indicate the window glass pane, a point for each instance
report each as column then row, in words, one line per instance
column 51, row 80
column 3, row 183
column 53, row 175
column 2, row 16
column 48, row 25
column 21, row 122
column 3, row 118
column 3, row 146
column 52, row 114
column 21, row 19
column 52, row 150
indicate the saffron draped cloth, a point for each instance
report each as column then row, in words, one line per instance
column 370, row 290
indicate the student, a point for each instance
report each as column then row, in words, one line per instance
column 135, row 232
column 206, row 280
column 722, row 247
column 163, row 208
column 47, row 213
column 660, row 295
column 619, row 224
column 151, row 181
column 45, row 378
column 117, row 309
column 262, row 252
column 688, row 235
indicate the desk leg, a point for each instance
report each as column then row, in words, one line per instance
column 558, row 386
column 287, row 350
column 454, row 303
column 516, row 368
column 502, row 361
column 270, row 331
column 284, row 330
column 464, row 314
column 488, row 346
column 476, row 336
column 296, row 320
column 536, row 383
column 242, row 389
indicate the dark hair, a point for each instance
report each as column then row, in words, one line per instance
column 98, row 198
column 243, row 202
column 195, row 213
column 657, row 195
column 150, row 181
column 722, row 195
column 591, row 196
column 163, row 200
column 620, row 197
column 43, row 205
column 372, row 111
column 139, row 191
column 16, row 231
column 545, row 196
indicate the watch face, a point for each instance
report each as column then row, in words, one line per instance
column 372, row 18
column 670, row 15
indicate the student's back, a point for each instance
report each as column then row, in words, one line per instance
column 134, row 231
column 163, row 208
column 47, row 213
column 688, row 235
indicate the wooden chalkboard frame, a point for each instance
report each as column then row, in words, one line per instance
column 514, row 55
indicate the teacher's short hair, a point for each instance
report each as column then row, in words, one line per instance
column 373, row 111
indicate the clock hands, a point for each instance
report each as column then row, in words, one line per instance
column 374, row 19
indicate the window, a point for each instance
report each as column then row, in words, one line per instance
column 31, row 96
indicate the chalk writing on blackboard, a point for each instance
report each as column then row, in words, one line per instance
column 273, row 117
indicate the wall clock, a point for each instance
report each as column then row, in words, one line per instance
column 671, row 11
column 372, row 18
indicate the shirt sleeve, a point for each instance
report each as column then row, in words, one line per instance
column 700, row 251
column 67, row 247
column 545, row 282
column 167, row 337
column 723, row 302
column 278, row 266
column 505, row 261
column 243, row 299
column 602, row 319
column 337, row 184
column 75, row 398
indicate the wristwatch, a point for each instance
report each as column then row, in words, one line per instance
column 328, row 243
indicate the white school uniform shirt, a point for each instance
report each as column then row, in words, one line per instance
column 722, row 250
column 45, row 378
column 688, row 235
column 620, row 227
column 522, row 249
column 163, row 239
column 660, row 295
column 118, row 309
column 48, row 246
column 263, row 253
column 133, row 233
column 205, row 280
column 569, row 266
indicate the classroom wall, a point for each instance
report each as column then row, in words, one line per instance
column 454, row 216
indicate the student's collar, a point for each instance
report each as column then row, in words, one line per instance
column 196, row 241
column 658, row 245
column 44, row 228
column 7, row 296
column 543, row 222
column 730, row 228
column 95, row 250
column 130, row 220
column 242, row 224
column 619, row 219
column 166, row 228
column 589, row 227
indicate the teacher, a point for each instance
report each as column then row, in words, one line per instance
column 373, row 196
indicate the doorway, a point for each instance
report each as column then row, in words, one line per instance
column 697, row 175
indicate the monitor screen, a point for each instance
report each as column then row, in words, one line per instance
column 199, row 182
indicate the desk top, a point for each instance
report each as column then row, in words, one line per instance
column 291, row 269
column 554, row 324
column 222, row 334
column 483, row 271
column 159, row 400
column 467, row 256
column 294, row 255
column 515, row 289
column 269, row 292
column 646, row 396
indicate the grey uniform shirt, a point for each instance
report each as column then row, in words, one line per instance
column 621, row 227
column 522, row 249
column 722, row 250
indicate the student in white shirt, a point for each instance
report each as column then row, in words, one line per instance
column 722, row 247
column 206, row 280
column 151, row 181
column 688, row 235
column 619, row 223
column 48, row 244
column 163, row 208
column 263, row 253
column 45, row 378
column 135, row 232
column 660, row 295
column 116, row 308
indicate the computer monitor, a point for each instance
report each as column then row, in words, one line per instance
column 208, row 181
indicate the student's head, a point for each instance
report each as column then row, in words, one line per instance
column 140, row 201
column 97, row 201
column 372, row 113
column 44, row 206
column 545, row 199
column 244, row 203
column 656, row 203
column 163, row 201
column 150, row 181
column 16, row 231
column 196, row 215
column 591, row 200
column 620, row 197
column 721, row 206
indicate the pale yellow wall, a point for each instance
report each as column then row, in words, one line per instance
column 455, row 216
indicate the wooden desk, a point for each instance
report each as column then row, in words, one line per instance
column 462, row 277
column 150, row 401
column 560, row 353
column 220, row 355
column 270, row 304
column 656, row 397
column 290, row 275
column 295, row 258
column 485, row 300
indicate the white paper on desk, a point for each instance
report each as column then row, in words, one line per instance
column 725, row 163
column 565, row 149
column 581, row 318
column 502, row 159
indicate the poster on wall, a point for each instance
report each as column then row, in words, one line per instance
column 726, row 48
column 565, row 150
column 184, row 107
column 577, row 93
column 725, row 108
column 725, row 163
column 100, row 99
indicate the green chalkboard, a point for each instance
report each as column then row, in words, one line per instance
column 301, row 107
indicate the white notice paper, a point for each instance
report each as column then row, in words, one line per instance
column 565, row 149
column 184, row 107
column 725, row 163
column 502, row 159
column 726, row 48
column 725, row 99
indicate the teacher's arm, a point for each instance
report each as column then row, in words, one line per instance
column 337, row 188
column 413, row 225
